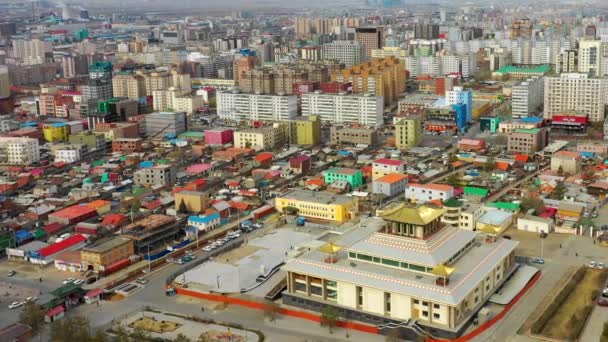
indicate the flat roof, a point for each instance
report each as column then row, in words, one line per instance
column 317, row 197
column 438, row 249
column 512, row 69
column 495, row 217
column 527, row 130
column 470, row 270
column 106, row 245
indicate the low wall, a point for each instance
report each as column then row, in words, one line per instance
column 283, row 311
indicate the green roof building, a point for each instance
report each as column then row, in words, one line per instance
column 352, row 176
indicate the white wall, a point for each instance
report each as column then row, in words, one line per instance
column 347, row 295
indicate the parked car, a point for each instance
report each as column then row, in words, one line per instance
column 188, row 252
column 141, row 281
column 11, row 273
column 170, row 260
column 179, row 261
column 78, row 282
column 600, row 265
column 592, row 264
column 15, row 305
column 602, row 301
column 31, row 299
column 207, row 248
column 68, row 280
column 538, row 261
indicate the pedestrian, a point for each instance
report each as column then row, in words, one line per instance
column 576, row 253
column 560, row 245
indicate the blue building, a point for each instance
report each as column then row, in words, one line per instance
column 461, row 96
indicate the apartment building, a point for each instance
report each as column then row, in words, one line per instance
column 19, row 151
column 458, row 95
column 384, row 166
column 31, row 48
column 381, row 77
column 132, row 86
column 370, row 38
column 408, row 132
column 265, row 138
column 353, row 136
column 575, row 92
column 566, row 62
column 179, row 100
column 158, row 175
column 345, row 51
column 68, row 153
column 165, row 123
column 241, row 106
column 527, row 96
column 341, row 108
column 527, row 140
column 590, row 57
column 423, row 193
column 127, row 145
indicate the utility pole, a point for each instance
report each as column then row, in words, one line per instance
column 149, row 261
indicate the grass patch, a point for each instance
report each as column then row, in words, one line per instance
column 152, row 325
column 569, row 318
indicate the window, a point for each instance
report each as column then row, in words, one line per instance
column 359, row 291
column 416, row 301
column 436, row 316
column 390, row 262
column 425, row 303
column 436, row 306
column 425, row 314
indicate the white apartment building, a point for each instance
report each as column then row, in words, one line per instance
column 31, row 48
column 68, row 153
column 234, row 105
column 346, row 51
column 422, row 193
column 19, row 151
column 384, row 166
column 590, row 57
column 179, row 100
column 363, row 109
column 566, row 62
column 575, row 92
column 527, row 96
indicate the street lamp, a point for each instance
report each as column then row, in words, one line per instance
column 218, row 282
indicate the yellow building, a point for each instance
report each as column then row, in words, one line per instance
column 308, row 130
column 194, row 201
column 382, row 77
column 267, row 137
column 319, row 205
column 56, row 132
column 408, row 132
column 105, row 253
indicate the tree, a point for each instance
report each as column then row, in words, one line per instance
column 182, row 338
column 604, row 337
column 529, row 202
column 559, row 191
column 32, row 315
column 135, row 207
column 393, row 336
column 139, row 334
column 560, row 171
column 271, row 310
column 489, row 164
column 204, row 337
column 182, row 207
column 329, row 318
column 452, row 180
column 71, row 329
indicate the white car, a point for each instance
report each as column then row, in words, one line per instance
column 69, row 280
column 15, row 305
column 78, row 282
column 31, row 299
column 207, row 248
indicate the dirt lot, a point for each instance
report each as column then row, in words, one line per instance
column 572, row 309
column 152, row 325
column 232, row 256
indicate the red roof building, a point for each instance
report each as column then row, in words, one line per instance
column 71, row 243
column 264, row 158
column 73, row 214
column 53, row 228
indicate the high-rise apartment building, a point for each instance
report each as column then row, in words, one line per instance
column 345, row 51
column 527, row 96
column 566, row 62
column 31, row 49
column 163, row 123
column 575, row 92
column 426, row 31
column 241, row 106
column 5, row 82
column 458, row 95
column 19, row 151
column 408, row 132
column 100, row 89
column 381, row 77
column 179, row 100
column 132, row 86
column 370, row 38
column 246, row 62
column 590, row 57
column 363, row 109
column 74, row 65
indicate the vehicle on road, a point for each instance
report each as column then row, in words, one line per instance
column 11, row 273
column 602, row 301
column 170, row 259
column 188, row 252
column 600, row 265
column 31, row 299
column 508, row 237
column 68, row 280
column 207, row 248
column 141, row 281
column 179, row 261
column 78, row 282
column 187, row 258
column 592, row 264
column 15, row 305
column 538, row 261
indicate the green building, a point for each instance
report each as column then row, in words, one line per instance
column 352, row 176
column 93, row 141
column 408, row 132
column 489, row 124
column 81, row 34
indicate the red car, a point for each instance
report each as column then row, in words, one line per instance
column 602, row 301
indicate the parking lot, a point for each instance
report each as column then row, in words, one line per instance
column 239, row 268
